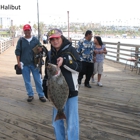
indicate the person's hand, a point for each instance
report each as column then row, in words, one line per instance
column 94, row 59
column 59, row 61
column 19, row 65
column 96, row 52
column 100, row 52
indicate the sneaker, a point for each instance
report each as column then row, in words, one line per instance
column 42, row 99
column 99, row 84
column 30, row 98
column 92, row 80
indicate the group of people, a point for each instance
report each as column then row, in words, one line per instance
column 87, row 59
column 92, row 57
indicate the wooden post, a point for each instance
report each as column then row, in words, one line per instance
column 136, row 50
column 13, row 41
column 118, row 51
column 75, row 43
column 0, row 48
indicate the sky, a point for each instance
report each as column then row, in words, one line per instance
column 55, row 11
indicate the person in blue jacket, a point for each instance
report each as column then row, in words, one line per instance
column 25, row 56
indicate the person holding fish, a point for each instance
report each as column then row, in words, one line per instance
column 62, row 68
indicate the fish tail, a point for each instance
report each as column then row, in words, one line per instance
column 60, row 115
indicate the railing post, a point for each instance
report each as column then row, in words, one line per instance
column 136, row 49
column 13, row 41
column 0, row 47
column 118, row 51
column 75, row 43
column 2, row 44
column 4, row 47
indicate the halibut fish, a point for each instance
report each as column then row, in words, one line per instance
column 58, row 89
column 38, row 55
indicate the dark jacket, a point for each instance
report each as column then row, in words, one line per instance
column 71, row 65
column 24, row 50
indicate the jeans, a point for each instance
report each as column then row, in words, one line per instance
column 72, row 121
column 37, row 79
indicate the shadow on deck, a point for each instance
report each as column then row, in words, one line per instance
column 111, row 112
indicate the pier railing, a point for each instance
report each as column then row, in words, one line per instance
column 119, row 52
column 4, row 45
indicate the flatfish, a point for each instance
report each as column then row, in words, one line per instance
column 58, row 89
column 38, row 55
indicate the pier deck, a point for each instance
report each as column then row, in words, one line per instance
column 111, row 112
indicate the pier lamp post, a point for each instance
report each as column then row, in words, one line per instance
column 68, row 23
column 38, row 21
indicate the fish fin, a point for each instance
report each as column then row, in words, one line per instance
column 60, row 116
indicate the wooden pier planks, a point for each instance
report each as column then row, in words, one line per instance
column 111, row 112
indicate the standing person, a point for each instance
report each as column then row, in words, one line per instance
column 24, row 54
column 99, row 52
column 65, row 56
column 44, row 39
column 85, row 50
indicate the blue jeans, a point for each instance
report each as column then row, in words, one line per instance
column 37, row 79
column 72, row 121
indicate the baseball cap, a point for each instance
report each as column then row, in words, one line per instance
column 54, row 33
column 26, row 27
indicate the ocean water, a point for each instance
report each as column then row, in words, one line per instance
column 123, row 40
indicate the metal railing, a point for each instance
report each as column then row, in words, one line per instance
column 118, row 52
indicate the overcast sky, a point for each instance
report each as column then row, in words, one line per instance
column 79, row 10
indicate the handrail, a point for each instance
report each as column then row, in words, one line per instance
column 118, row 52
column 4, row 45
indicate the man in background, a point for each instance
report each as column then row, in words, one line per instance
column 85, row 49
column 24, row 53
column 44, row 39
